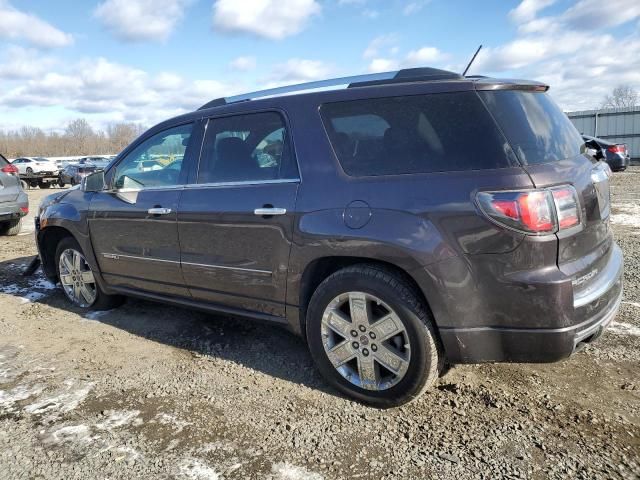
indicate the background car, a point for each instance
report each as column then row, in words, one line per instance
column 13, row 201
column 74, row 173
column 98, row 161
column 615, row 154
column 29, row 165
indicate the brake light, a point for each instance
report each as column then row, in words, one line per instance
column 25, row 210
column 9, row 169
column 616, row 149
column 533, row 211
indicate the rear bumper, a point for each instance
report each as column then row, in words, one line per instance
column 13, row 210
column 593, row 312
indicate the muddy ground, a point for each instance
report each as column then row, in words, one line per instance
column 150, row 391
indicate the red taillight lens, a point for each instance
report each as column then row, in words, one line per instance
column 566, row 203
column 533, row 211
column 616, row 148
column 9, row 169
column 25, row 210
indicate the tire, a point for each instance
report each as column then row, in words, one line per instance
column 44, row 185
column 100, row 300
column 11, row 228
column 387, row 295
column 73, row 182
column 24, row 185
column 29, row 171
column 61, row 183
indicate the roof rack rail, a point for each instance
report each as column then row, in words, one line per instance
column 385, row 78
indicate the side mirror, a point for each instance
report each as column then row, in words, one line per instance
column 94, row 182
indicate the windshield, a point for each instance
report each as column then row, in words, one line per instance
column 536, row 128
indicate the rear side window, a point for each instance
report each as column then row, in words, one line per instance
column 415, row 134
column 536, row 128
column 246, row 148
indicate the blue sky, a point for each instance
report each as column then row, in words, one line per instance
column 145, row 60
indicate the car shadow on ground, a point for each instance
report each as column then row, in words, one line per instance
column 266, row 348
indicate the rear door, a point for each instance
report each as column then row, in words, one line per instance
column 133, row 224
column 235, row 222
column 9, row 184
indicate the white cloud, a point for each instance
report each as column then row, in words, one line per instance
column 299, row 70
column 18, row 63
column 528, row 9
column 243, row 64
column 592, row 14
column 378, row 65
column 18, row 25
column 421, row 57
column 412, row 8
column 425, row 56
column 379, row 43
column 141, row 20
column 272, row 19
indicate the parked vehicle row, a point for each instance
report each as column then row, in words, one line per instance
column 413, row 219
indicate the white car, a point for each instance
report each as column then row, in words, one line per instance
column 29, row 165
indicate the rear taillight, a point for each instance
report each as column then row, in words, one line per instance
column 9, row 169
column 616, row 149
column 534, row 212
column 25, row 210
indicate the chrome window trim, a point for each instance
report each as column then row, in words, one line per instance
column 242, row 183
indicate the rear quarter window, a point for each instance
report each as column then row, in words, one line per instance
column 415, row 134
column 536, row 128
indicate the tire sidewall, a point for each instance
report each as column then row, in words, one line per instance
column 420, row 336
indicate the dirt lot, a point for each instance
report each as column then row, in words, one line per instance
column 149, row 391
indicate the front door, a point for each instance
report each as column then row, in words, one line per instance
column 235, row 224
column 133, row 224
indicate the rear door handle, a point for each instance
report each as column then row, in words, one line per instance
column 159, row 211
column 270, row 211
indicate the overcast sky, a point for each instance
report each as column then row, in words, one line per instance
column 146, row 60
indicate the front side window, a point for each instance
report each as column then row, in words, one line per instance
column 415, row 134
column 246, row 148
column 156, row 162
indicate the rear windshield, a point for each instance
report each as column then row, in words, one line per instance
column 415, row 134
column 86, row 169
column 537, row 129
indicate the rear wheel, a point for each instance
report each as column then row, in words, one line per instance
column 60, row 182
column 44, row 185
column 11, row 228
column 371, row 336
column 77, row 279
column 29, row 171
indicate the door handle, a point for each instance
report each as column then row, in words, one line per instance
column 270, row 211
column 159, row 211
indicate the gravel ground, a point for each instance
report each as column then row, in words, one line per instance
column 150, row 391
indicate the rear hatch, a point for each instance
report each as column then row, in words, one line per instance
column 552, row 152
column 9, row 184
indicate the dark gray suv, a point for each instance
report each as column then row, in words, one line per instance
column 399, row 222
column 14, row 204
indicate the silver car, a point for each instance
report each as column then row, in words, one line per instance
column 14, row 203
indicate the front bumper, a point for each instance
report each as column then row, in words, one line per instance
column 595, row 310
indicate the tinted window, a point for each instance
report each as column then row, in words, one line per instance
column 537, row 129
column 416, row 134
column 246, row 148
column 153, row 162
column 3, row 161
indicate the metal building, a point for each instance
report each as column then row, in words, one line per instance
column 617, row 125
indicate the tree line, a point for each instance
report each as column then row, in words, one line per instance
column 78, row 138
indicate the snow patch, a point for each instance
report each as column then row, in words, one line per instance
column 17, row 394
column 286, row 471
column 633, row 304
column 624, row 329
column 196, row 470
column 37, row 288
column 120, row 418
column 32, row 297
column 63, row 402
column 629, row 215
column 77, row 434
column 173, row 421
column 96, row 314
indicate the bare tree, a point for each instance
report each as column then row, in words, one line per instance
column 78, row 139
column 621, row 96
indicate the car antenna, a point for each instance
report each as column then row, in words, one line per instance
column 472, row 59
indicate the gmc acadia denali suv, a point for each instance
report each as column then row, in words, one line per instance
column 402, row 222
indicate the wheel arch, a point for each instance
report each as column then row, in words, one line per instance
column 48, row 240
column 321, row 268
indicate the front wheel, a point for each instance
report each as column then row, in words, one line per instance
column 29, row 171
column 372, row 337
column 77, row 279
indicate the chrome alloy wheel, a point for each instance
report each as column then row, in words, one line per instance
column 76, row 278
column 365, row 341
